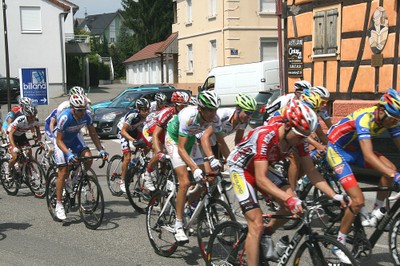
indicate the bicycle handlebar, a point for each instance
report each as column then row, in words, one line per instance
column 93, row 157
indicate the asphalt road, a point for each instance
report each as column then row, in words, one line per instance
column 28, row 235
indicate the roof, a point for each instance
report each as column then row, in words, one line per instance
column 97, row 24
column 152, row 50
column 60, row 4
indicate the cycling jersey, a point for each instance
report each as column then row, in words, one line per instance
column 160, row 119
column 21, row 125
column 13, row 114
column 47, row 123
column 70, row 127
column 62, row 107
column 186, row 123
column 134, row 121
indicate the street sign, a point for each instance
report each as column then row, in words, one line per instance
column 35, row 85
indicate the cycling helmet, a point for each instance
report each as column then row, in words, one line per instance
column 193, row 101
column 301, row 117
column 76, row 90
column 302, row 85
column 180, row 97
column 160, row 98
column 246, row 102
column 322, row 91
column 208, row 99
column 391, row 102
column 25, row 101
column 78, row 101
column 29, row 110
column 142, row 103
column 311, row 99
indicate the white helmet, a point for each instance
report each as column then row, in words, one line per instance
column 322, row 91
column 76, row 90
column 208, row 99
column 25, row 101
column 160, row 98
column 302, row 85
column 78, row 101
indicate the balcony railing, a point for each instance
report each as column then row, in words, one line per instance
column 72, row 38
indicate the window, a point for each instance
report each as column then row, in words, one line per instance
column 189, row 11
column 269, row 49
column 267, row 6
column 189, row 58
column 31, row 19
column 213, row 54
column 326, row 26
column 213, row 8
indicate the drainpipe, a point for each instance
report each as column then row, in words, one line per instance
column 279, row 15
column 62, row 45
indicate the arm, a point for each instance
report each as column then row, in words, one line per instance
column 328, row 122
column 38, row 134
column 11, row 137
column 315, row 143
column 156, row 142
column 205, row 141
column 182, row 141
column 238, row 136
column 224, row 147
column 125, row 133
column 53, row 124
column 321, row 135
column 95, row 138
column 372, row 159
column 60, row 142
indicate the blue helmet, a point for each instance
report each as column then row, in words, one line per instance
column 391, row 102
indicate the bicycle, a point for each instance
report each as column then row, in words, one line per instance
column 161, row 215
column 361, row 244
column 226, row 245
column 45, row 156
column 29, row 172
column 81, row 183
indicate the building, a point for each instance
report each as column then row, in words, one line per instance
column 144, row 67
column 350, row 47
column 37, row 34
column 218, row 33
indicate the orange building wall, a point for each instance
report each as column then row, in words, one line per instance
column 365, row 79
column 353, row 17
column 349, row 49
column 385, row 78
column 331, row 75
column 318, row 73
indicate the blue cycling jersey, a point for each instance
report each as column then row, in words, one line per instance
column 70, row 127
column 48, row 119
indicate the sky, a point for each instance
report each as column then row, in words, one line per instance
column 96, row 6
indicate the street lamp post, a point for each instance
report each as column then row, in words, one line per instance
column 6, row 54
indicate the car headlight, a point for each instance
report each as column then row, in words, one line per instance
column 111, row 116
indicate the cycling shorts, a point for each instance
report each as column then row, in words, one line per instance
column 244, row 184
column 172, row 148
column 125, row 142
column 340, row 161
column 77, row 145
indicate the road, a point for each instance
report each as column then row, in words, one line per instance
column 28, row 235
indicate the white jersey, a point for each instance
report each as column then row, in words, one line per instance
column 21, row 125
column 62, row 107
column 153, row 107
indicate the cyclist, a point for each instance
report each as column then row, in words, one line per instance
column 50, row 125
column 154, row 132
column 232, row 120
column 15, row 112
column 70, row 144
column 17, row 132
column 350, row 144
column 180, row 142
column 160, row 101
column 66, row 104
column 129, row 130
column 323, row 112
column 249, row 171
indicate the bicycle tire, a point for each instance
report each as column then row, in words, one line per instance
column 35, row 177
column 10, row 183
column 394, row 239
column 226, row 245
column 51, row 197
column 91, row 201
column 160, row 224
column 318, row 251
column 114, row 175
column 218, row 212
column 41, row 158
column 138, row 195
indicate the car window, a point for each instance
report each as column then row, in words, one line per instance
column 262, row 98
column 125, row 100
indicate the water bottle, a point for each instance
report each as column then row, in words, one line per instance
column 68, row 185
column 132, row 163
column 266, row 246
column 376, row 216
column 280, row 247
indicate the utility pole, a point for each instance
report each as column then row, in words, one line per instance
column 6, row 54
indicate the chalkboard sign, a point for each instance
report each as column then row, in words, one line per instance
column 295, row 57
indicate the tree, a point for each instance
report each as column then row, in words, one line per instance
column 151, row 20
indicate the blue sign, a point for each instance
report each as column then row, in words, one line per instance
column 34, row 84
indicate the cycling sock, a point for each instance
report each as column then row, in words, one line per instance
column 178, row 223
column 364, row 212
column 342, row 238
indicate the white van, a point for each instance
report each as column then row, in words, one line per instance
column 251, row 78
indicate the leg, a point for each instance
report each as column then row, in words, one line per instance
column 62, row 175
column 293, row 171
column 184, row 183
column 256, row 228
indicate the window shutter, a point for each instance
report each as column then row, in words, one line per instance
column 331, row 31
column 319, row 32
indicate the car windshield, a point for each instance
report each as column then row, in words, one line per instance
column 262, row 98
column 125, row 100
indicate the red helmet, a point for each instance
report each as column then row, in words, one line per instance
column 180, row 97
column 301, row 117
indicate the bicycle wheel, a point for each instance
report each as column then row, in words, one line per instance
column 216, row 212
column 10, row 183
column 319, row 251
column 51, row 196
column 91, row 201
column 226, row 245
column 394, row 239
column 40, row 157
column 138, row 195
column 35, row 176
column 114, row 175
column 160, row 223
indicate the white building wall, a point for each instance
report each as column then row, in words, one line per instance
column 35, row 49
column 146, row 72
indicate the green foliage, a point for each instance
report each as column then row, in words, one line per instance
column 97, row 70
column 74, row 70
column 151, row 20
